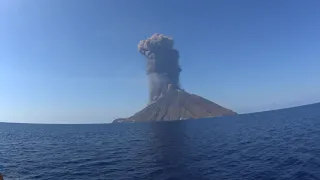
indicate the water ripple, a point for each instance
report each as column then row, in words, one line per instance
column 271, row 145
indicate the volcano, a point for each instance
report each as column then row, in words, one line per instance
column 167, row 101
column 178, row 105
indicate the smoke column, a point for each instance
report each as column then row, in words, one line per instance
column 162, row 64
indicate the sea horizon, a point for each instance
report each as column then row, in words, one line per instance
column 239, row 114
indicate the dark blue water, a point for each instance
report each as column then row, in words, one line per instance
column 282, row 144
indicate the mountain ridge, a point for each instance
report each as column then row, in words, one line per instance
column 178, row 105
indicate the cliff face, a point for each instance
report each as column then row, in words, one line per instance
column 178, row 105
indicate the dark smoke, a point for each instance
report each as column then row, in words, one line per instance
column 162, row 64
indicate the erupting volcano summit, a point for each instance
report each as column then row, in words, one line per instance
column 166, row 100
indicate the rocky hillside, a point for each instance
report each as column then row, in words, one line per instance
column 178, row 105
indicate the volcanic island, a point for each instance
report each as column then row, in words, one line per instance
column 167, row 101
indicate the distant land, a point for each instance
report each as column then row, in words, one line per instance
column 178, row 105
column 314, row 106
column 142, row 112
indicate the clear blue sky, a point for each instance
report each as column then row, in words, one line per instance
column 76, row 61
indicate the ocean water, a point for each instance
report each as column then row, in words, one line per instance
column 283, row 144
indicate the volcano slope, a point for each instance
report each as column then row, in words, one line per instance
column 178, row 105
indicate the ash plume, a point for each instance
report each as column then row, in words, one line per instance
column 163, row 67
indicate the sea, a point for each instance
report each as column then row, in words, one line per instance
column 280, row 145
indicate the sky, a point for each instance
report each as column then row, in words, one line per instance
column 77, row 61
